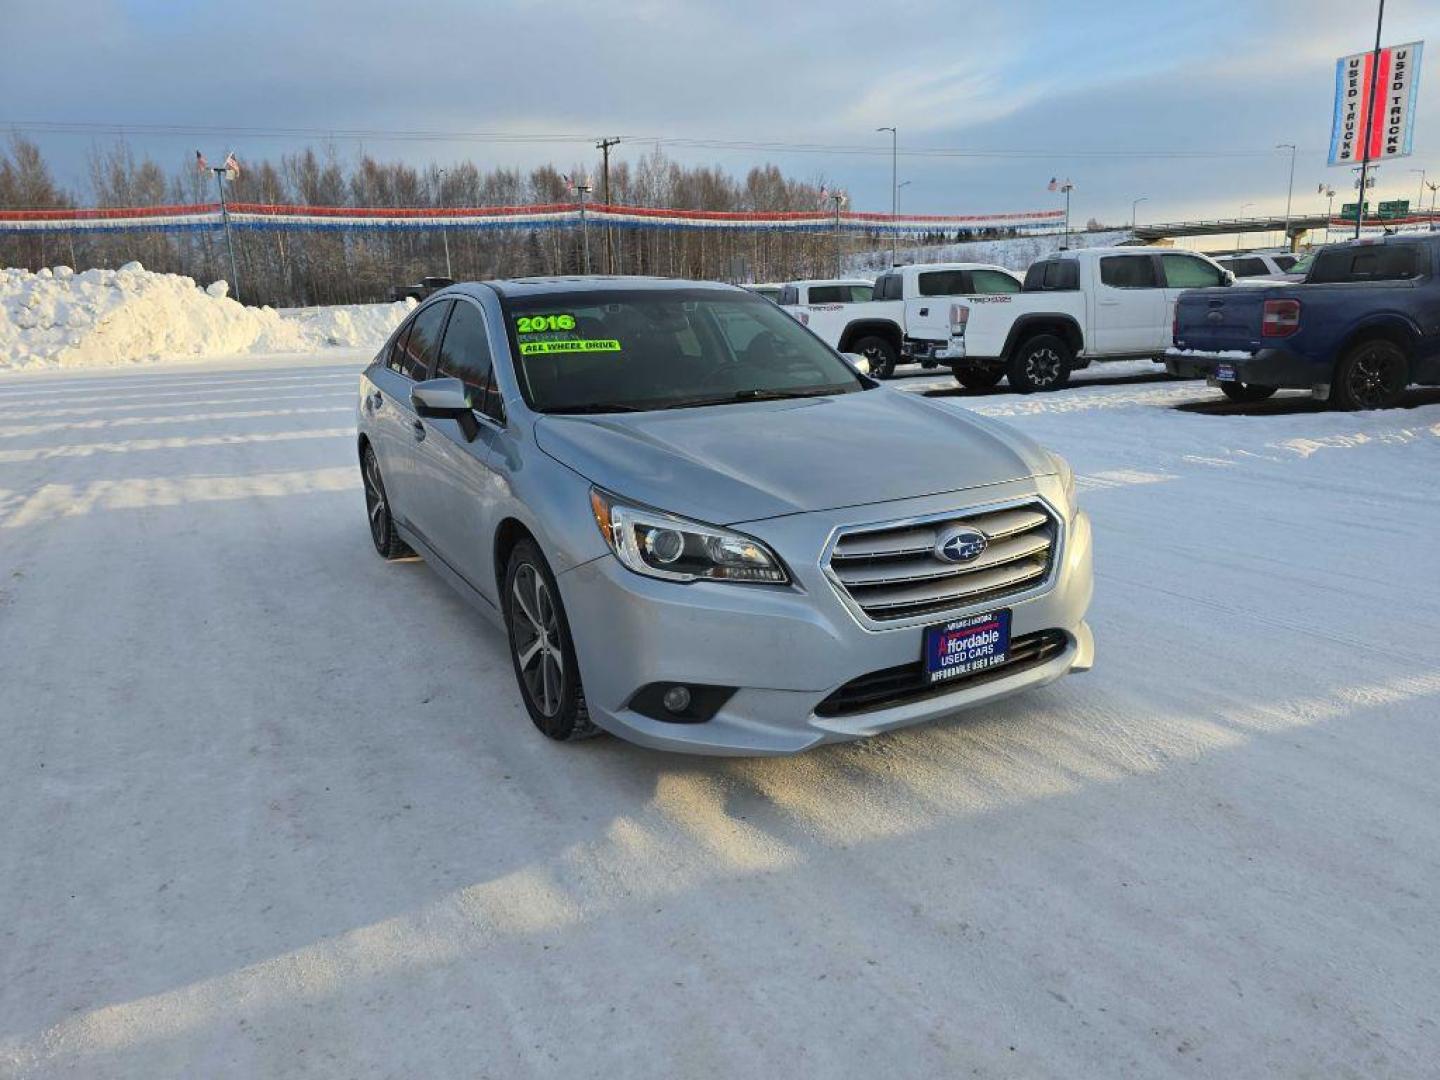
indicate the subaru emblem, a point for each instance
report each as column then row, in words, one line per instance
column 961, row 544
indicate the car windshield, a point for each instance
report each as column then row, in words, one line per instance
column 619, row 350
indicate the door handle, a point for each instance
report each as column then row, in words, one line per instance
column 1109, row 303
column 419, row 429
column 924, row 311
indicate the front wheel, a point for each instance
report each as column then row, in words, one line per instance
column 377, row 506
column 1246, row 393
column 1041, row 363
column 1371, row 375
column 880, row 354
column 979, row 378
column 541, row 649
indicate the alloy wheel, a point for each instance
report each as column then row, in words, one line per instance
column 1043, row 366
column 375, row 504
column 535, row 637
column 1375, row 378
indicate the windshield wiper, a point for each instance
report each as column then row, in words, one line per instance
column 750, row 395
column 595, row 407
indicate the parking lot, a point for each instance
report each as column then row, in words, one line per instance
column 271, row 803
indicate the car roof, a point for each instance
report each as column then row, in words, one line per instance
column 922, row 267
column 807, row 282
column 516, row 288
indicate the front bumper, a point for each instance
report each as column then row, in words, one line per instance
column 1267, row 367
column 787, row 649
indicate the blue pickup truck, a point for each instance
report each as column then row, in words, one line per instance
column 1361, row 327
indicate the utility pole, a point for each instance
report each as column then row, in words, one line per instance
column 1290, row 192
column 1369, row 119
column 444, row 233
column 1420, row 199
column 219, row 171
column 604, row 146
column 895, row 258
column 1329, row 208
column 894, row 190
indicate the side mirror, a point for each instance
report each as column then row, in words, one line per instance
column 856, row 361
column 445, row 399
column 1229, row 276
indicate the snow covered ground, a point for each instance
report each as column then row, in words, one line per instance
column 272, row 807
column 1016, row 253
column 113, row 317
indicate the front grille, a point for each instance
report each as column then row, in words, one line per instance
column 892, row 572
column 908, row 683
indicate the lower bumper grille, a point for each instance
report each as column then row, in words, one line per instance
column 907, row 683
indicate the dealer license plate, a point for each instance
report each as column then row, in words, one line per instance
column 1226, row 373
column 965, row 646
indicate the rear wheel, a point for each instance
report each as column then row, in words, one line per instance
column 541, row 650
column 377, row 506
column 879, row 352
column 979, row 378
column 1041, row 363
column 1371, row 375
column 1246, row 393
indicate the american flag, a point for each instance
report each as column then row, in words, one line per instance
column 201, row 165
column 232, row 166
column 1056, row 185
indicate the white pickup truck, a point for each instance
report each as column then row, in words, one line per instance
column 908, row 318
column 1075, row 307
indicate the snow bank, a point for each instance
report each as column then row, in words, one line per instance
column 1014, row 253
column 107, row 317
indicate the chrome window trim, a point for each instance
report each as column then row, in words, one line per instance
column 930, row 618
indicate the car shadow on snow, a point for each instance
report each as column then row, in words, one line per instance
column 1295, row 403
column 1140, row 379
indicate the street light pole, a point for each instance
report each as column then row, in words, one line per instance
column 219, row 171
column 1134, row 206
column 1243, row 207
column 895, row 258
column 444, row 233
column 1289, row 193
column 894, row 189
column 1420, row 199
column 582, row 190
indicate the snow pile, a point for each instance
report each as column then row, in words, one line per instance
column 108, row 317
column 1014, row 253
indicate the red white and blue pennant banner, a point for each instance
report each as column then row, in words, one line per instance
column 261, row 217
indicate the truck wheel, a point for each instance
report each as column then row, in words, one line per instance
column 1246, row 393
column 1371, row 375
column 1041, row 363
column 879, row 352
column 979, row 378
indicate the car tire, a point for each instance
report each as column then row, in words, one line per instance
column 377, row 506
column 979, row 378
column 541, row 649
column 1246, row 393
column 1041, row 363
column 879, row 352
column 1371, row 375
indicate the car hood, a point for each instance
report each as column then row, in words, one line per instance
column 743, row 462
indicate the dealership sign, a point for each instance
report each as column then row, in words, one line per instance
column 1394, row 77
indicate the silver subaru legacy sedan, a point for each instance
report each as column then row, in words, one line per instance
column 702, row 529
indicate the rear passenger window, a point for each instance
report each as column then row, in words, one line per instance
column 942, row 283
column 888, row 287
column 840, row 294
column 1127, row 271
column 1286, row 262
column 789, row 295
column 423, row 344
column 395, row 359
column 1390, row 262
column 992, row 281
column 465, row 355
column 1248, row 267
column 1185, row 272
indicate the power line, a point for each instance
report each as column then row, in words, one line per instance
column 681, row 142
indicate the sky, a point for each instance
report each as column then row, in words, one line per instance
column 1180, row 103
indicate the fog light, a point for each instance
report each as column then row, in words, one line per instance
column 676, row 699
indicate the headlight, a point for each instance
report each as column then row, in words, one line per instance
column 1066, row 476
column 661, row 545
